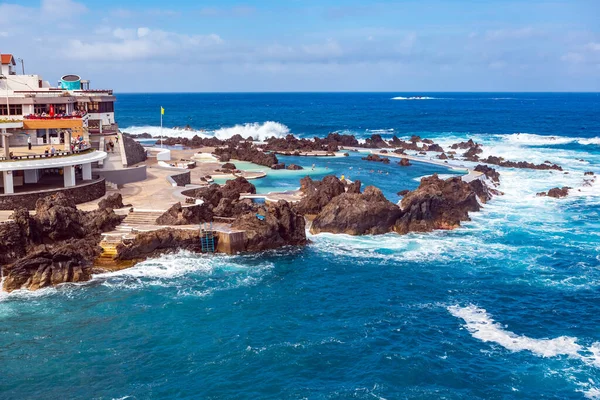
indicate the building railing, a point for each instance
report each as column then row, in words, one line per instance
column 77, row 115
column 94, row 91
column 42, row 93
column 76, row 152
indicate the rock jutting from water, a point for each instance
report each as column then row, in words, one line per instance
column 376, row 158
column 56, row 245
column 435, row 204
column 556, row 192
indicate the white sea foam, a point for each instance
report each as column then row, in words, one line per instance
column 256, row 130
column 171, row 269
column 414, row 98
column 481, row 326
column 155, row 131
column 531, row 139
column 380, row 131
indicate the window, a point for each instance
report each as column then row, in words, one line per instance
column 60, row 108
column 40, row 108
column 101, row 107
column 107, row 106
column 80, row 107
column 16, row 109
column 3, row 110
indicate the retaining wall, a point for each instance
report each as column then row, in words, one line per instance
column 123, row 176
column 79, row 194
column 181, row 179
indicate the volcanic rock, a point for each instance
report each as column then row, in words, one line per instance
column 228, row 166
column 245, row 151
column 377, row 158
column 489, row 172
column 234, row 187
column 556, row 192
column 294, row 167
column 57, row 244
column 471, row 154
column 520, row 164
column 52, row 265
column 153, row 243
column 353, row 187
column 113, row 201
column 464, row 145
column 405, row 162
column 375, row 141
column 435, row 147
column 436, row 204
column 281, row 226
column 357, row 214
column 318, row 193
column 191, row 215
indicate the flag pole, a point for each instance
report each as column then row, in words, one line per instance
column 161, row 114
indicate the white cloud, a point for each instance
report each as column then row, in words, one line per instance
column 497, row 65
column 572, row 57
column 329, row 49
column 139, row 44
column 520, row 33
column 62, row 8
column 592, row 46
column 4, row 34
column 141, row 32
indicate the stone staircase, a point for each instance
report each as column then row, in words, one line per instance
column 139, row 220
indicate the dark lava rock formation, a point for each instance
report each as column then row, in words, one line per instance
column 376, row 158
column 435, row 204
column 357, row 214
column 245, row 151
column 556, row 192
column 317, row 194
column 281, row 226
column 520, row 164
column 56, row 245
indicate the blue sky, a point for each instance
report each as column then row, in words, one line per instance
column 305, row 45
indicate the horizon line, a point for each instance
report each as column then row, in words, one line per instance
column 364, row 92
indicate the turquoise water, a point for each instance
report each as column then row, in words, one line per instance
column 391, row 178
column 507, row 307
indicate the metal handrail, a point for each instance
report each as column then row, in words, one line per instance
column 44, row 156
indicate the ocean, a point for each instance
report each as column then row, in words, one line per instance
column 506, row 307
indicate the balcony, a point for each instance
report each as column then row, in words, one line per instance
column 37, row 153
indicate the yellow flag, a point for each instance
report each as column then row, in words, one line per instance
column 162, row 111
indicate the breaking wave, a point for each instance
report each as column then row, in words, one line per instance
column 258, row 131
column 481, row 326
column 531, row 139
column 414, row 98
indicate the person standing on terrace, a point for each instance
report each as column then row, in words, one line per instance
column 29, row 141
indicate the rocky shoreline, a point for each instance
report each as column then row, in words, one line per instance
column 60, row 243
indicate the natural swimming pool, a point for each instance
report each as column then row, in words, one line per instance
column 390, row 178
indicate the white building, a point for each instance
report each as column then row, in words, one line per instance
column 50, row 130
